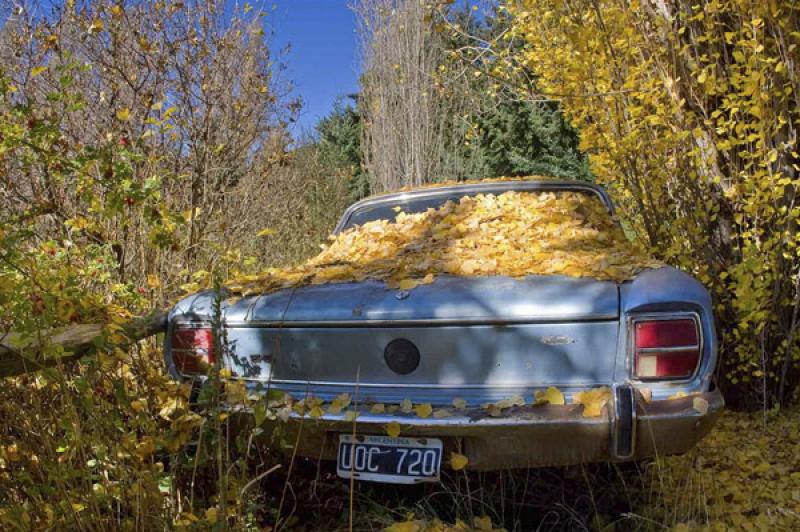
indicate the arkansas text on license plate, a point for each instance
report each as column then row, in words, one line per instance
column 385, row 459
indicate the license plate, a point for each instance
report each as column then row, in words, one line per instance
column 385, row 459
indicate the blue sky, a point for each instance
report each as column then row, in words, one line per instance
column 322, row 62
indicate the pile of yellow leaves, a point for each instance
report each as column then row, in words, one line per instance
column 514, row 234
column 414, row 524
column 744, row 475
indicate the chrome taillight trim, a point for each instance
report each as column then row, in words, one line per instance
column 623, row 422
column 631, row 321
column 668, row 350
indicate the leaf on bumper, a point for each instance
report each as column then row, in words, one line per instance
column 393, row 429
column 593, row 400
column 551, row 395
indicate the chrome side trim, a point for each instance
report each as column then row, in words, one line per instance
column 667, row 350
column 631, row 320
column 501, row 386
column 192, row 324
column 433, row 322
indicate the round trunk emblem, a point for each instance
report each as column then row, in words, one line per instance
column 401, row 355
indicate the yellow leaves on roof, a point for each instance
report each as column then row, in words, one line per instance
column 513, row 234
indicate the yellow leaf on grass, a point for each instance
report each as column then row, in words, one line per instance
column 458, row 461
column 211, row 515
column 482, row 523
column 266, row 232
column 96, row 26
column 405, row 526
column 123, row 114
column 37, row 70
column 552, row 395
column 393, row 429
column 153, row 281
column 423, row 410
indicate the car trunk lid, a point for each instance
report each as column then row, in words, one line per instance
column 447, row 299
column 479, row 338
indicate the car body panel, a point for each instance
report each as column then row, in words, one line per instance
column 448, row 299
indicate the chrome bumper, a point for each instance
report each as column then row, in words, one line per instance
column 529, row 436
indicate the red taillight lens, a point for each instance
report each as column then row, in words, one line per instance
column 666, row 348
column 192, row 350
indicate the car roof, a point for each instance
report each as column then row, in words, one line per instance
column 492, row 186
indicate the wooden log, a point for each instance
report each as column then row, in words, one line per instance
column 20, row 355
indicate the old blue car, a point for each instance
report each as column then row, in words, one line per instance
column 475, row 340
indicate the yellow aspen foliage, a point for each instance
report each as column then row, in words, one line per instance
column 689, row 111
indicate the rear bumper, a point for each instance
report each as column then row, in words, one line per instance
column 530, row 436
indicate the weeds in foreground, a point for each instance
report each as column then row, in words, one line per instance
column 116, row 446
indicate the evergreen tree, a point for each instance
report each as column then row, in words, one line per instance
column 339, row 142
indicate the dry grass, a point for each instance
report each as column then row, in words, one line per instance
column 114, row 445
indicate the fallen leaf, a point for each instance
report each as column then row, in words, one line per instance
column 458, row 461
column 700, row 405
column 378, row 408
column 404, row 526
column 95, row 27
column 647, row 394
column 552, row 395
column 483, row 524
column 459, row 403
column 406, row 406
column 593, row 400
column 423, row 410
column 393, row 429
column 408, row 284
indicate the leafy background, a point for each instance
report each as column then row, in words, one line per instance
column 134, row 134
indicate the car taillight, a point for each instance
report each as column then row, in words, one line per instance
column 665, row 348
column 192, row 350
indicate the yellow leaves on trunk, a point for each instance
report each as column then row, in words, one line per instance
column 513, row 234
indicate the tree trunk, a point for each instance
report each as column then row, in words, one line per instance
column 19, row 355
